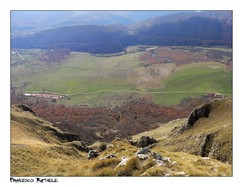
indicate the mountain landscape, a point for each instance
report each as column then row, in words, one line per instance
column 26, row 22
column 190, row 29
column 121, row 93
column 36, row 143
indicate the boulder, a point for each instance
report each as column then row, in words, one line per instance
column 142, row 153
column 158, row 159
column 102, row 146
column 157, row 156
column 160, row 162
column 123, row 162
column 93, row 154
column 144, row 150
column 142, row 156
column 133, row 142
column 144, row 141
column 108, row 157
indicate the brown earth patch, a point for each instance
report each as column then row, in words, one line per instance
column 182, row 56
column 151, row 76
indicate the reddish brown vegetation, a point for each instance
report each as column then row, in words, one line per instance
column 105, row 124
column 183, row 56
column 166, row 55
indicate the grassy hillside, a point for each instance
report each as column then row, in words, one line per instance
column 82, row 72
column 200, row 77
column 181, row 164
column 218, row 126
column 39, row 149
column 195, row 79
column 98, row 80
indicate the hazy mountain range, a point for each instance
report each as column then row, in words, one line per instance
column 109, row 32
column 23, row 22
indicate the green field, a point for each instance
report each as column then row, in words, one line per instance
column 85, row 73
column 194, row 80
column 104, row 80
column 200, row 77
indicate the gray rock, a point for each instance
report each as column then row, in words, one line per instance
column 142, row 156
column 206, row 145
column 160, row 163
column 93, row 154
column 123, row 162
column 199, row 112
column 157, row 156
column 142, row 153
column 108, row 157
column 144, row 150
column 102, row 147
column 144, row 141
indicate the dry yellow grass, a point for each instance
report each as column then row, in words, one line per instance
column 36, row 151
column 182, row 164
column 163, row 131
column 218, row 125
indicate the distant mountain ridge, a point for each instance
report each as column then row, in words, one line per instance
column 185, row 29
column 26, row 22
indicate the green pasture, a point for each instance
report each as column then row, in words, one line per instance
column 82, row 72
column 104, row 80
column 200, row 77
column 194, row 80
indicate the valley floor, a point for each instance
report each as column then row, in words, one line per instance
column 165, row 74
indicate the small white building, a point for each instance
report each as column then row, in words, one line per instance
column 27, row 94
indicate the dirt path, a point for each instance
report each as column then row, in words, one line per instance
column 20, row 55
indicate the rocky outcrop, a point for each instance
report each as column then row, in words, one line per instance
column 144, row 150
column 142, row 153
column 157, row 156
column 63, row 136
column 79, row 145
column 144, row 141
column 108, row 157
column 206, row 145
column 26, row 109
column 123, row 162
column 93, row 154
column 145, row 153
column 70, row 136
column 196, row 114
column 102, row 146
column 159, row 160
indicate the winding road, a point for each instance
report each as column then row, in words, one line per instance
column 120, row 91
